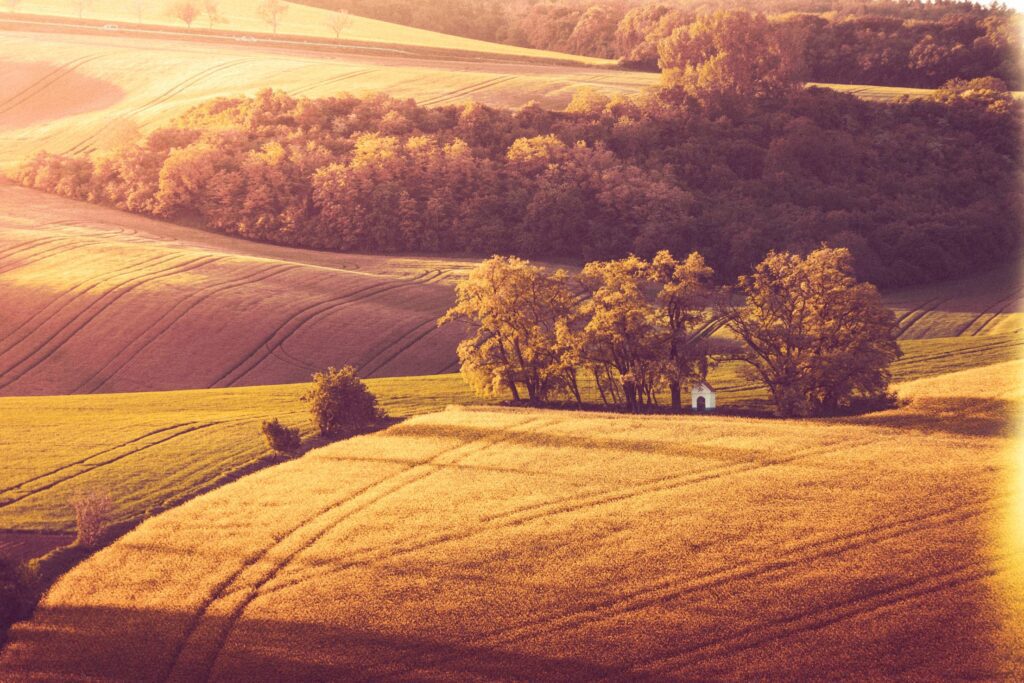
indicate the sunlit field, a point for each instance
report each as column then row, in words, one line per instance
column 85, row 92
column 477, row 543
column 153, row 450
column 298, row 20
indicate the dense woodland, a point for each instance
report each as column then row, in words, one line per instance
column 918, row 190
column 882, row 42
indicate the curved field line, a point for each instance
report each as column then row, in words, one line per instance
column 46, row 81
column 84, row 460
column 536, row 511
column 921, row 313
column 466, row 90
column 171, row 318
column 113, row 296
column 1006, row 303
column 331, row 81
column 60, row 248
column 386, row 355
column 160, row 99
column 828, row 615
column 299, row 320
column 349, row 506
column 997, row 303
column 91, row 468
column 19, row 247
column 794, row 557
column 74, row 295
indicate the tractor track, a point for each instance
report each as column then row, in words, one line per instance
column 11, row 374
column 346, row 508
column 299, row 320
column 171, row 317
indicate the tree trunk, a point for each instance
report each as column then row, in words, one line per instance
column 677, row 396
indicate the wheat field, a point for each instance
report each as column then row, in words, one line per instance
column 476, row 543
column 299, row 20
column 68, row 93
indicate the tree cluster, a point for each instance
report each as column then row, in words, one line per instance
column 882, row 42
column 817, row 339
column 918, row 190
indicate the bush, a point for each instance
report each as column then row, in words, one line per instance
column 16, row 596
column 92, row 510
column 281, row 439
column 341, row 404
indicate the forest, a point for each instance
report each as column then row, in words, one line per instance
column 882, row 42
column 918, row 190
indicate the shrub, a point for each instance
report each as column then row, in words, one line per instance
column 341, row 404
column 16, row 597
column 281, row 439
column 92, row 510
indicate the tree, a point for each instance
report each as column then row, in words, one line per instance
column 185, row 11
column 271, row 11
column 516, row 309
column 816, row 337
column 620, row 340
column 341, row 404
column 211, row 8
column 731, row 56
column 340, row 20
column 685, row 316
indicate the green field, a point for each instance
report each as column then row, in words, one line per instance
column 151, row 451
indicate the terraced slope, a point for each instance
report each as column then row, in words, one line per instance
column 483, row 543
column 76, row 93
column 137, row 305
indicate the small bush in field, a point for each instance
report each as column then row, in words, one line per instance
column 92, row 511
column 341, row 404
column 15, row 595
column 281, row 439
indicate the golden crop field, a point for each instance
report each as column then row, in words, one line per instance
column 76, row 93
column 297, row 20
column 150, row 451
column 477, row 543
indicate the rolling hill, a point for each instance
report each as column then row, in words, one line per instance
column 299, row 20
column 104, row 302
column 99, row 300
column 477, row 543
column 70, row 92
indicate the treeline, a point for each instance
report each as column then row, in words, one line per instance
column 884, row 42
column 919, row 191
column 817, row 339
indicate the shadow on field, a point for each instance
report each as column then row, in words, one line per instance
column 113, row 644
column 957, row 415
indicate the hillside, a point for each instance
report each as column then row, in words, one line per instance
column 99, row 300
column 150, row 451
column 298, row 20
column 487, row 542
column 67, row 91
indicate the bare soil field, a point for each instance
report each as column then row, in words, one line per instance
column 477, row 543
column 100, row 301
